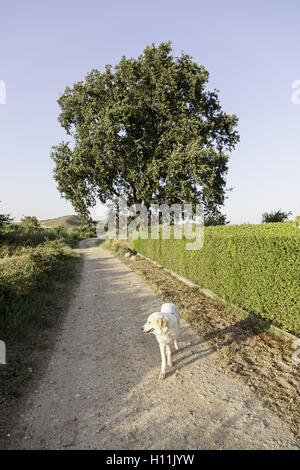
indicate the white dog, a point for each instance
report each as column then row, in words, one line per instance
column 165, row 326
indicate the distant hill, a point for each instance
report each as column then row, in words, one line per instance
column 66, row 221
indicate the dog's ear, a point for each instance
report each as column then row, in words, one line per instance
column 161, row 321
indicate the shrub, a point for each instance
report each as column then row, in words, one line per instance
column 276, row 216
column 30, row 221
column 5, row 219
column 33, row 262
column 218, row 219
column 26, row 280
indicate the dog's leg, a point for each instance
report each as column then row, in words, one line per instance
column 175, row 345
column 163, row 361
column 169, row 355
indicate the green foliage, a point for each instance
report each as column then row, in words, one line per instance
column 27, row 280
column 254, row 267
column 215, row 219
column 33, row 263
column 148, row 130
column 276, row 216
column 19, row 238
column 30, row 221
column 5, row 219
column 85, row 231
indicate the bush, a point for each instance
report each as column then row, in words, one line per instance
column 85, row 231
column 26, row 280
column 33, row 262
column 30, row 221
column 215, row 219
column 5, row 219
column 276, row 216
column 254, row 267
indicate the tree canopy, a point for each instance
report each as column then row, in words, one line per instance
column 146, row 129
column 275, row 216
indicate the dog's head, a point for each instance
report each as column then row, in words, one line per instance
column 155, row 323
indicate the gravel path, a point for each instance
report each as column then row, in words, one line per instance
column 102, row 391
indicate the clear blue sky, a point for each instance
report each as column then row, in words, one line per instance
column 250, row 48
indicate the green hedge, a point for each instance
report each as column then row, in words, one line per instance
column 255, row 267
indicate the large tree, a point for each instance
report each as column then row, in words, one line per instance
column 146, row 129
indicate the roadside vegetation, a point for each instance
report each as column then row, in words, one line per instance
column 34, row 262
column 39, row 270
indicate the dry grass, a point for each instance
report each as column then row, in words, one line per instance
column 65, row 221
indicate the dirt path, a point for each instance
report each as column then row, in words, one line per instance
column 101, row 390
